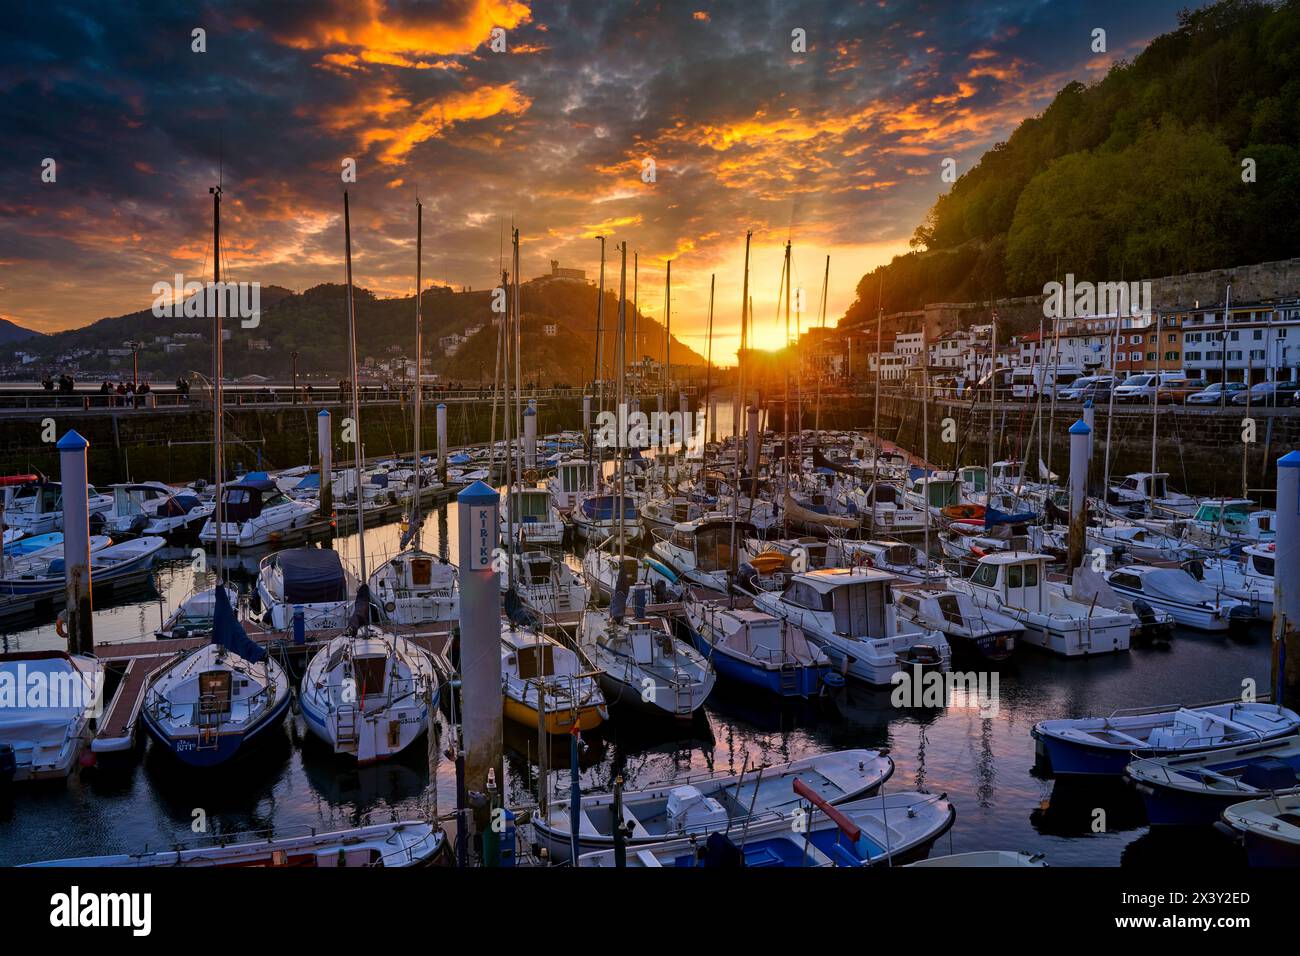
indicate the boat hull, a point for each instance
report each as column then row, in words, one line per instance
column 186, row 748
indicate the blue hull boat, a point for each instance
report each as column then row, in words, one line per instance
column 226, row 746
column 750, row 647
column 1105, row 746
column 1195, row 789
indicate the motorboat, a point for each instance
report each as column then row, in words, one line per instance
column 757, row 649
column 367, row 693
column 195, row 615
column 640, row 665
column 1193, row 603
column 311, row 579
column 403, row 844
column 1194, row 789
column 545, row 584
column 211, row 702
column 1015, row 583
column 1106, row 745
column 597, row 516
column 256, row 513
column 43, row 732
column 111, row 565
column 850, row 615
column 540, row 673
column 1248, row 578
column 536, row 518
column 705, row 551
column 704, row 803
column 415, row 587
column 976, row 632
column 904, row 560
column 574, row 478
column 1136, row 494
column 1268, row 828
column 36, row 507
column 984, row 859
column 133, row 505
column 179, row 515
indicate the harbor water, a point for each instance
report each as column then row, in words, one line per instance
column 985, row 764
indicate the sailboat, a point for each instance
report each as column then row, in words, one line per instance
column 209, row 703
column 415, row 587
column 366, row 693
column 639, row 661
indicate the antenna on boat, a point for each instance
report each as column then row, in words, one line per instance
column 356, row 401
column 413, row 528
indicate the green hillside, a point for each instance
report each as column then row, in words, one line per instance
column 1139, row 175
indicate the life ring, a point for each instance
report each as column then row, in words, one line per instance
column 530, row 474
column 61, row 624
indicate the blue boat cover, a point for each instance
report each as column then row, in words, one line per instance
column 309, row 480
column 603, row 507
column 229, row 633
column 312, row 576
column 994, row 517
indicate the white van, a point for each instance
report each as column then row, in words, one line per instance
column 1142, row 387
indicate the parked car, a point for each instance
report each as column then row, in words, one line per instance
column 1179, row 393
column 1074, row 391
column 1142, row 387
column 1268, row 394
column 1213, row 394
column 1098, row 391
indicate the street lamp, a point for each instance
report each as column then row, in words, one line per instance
column 135, row 364
column 294, row 356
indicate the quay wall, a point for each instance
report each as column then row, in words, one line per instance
column 175, row 444
column 1200, row 448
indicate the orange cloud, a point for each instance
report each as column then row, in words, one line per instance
column 435, row 117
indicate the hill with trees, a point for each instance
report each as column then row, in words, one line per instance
column 1185, row 159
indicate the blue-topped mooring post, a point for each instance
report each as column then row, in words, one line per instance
column 442, row 441
column 325, row 452
column 1080, row 434
column 76, row 543
column 1090, row 419
column 530, row 437
column 1286, row 582
column 481, row 706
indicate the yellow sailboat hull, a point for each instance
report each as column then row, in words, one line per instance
column 556, row 721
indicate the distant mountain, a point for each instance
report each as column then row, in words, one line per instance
column 559, row 340
column 11, row 334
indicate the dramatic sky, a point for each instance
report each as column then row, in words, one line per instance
column 839, row 148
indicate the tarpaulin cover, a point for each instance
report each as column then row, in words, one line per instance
column 312, row 576
column 230, row 634
column 605, row 507
column 994, row 517
column 178, row 505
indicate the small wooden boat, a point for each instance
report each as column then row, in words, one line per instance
column 1269, row 829
column 704, row 804
column 409, row 843
column 1195, row 789
column 1106, row 745
column 879, row 831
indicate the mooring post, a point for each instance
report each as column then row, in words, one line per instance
column 325, row 452
column 586, row 418
column 1079, row 435
column 575, row 797
column 441, row 411
column 76, row 543
column 1286, row 582
column 751, row 427
column 480, row 649
column 713, row 418
column 530, row 437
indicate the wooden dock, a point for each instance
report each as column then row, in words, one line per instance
column 136, row 661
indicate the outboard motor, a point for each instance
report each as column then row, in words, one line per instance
column 1150, row 624
column 137, row 524
column 1239, row 619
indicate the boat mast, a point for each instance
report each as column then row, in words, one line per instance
column 1110, row 419
column 817, row 414
column 993, row 401
column 875, row 428
column 219, row 512
column 519, row 385
column 600, row 323
column 620, row 360
column 419, row 396
column 356, row 396
column 668, row 336
column 738, row 405
column 506, row 432
column 1155, row 415
column 708, row 367
column 785, row 411
column 925, row 438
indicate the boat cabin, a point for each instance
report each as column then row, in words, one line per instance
column 532, row 505
column 709, row 541
column 1144, row 485
column 975, row 478
column 882, row 493
column 246, row 500
column 859, row 603
column 1017, row 578
column 1236, row 517
column 573, row 478
column 937, row 492
column 130, row 499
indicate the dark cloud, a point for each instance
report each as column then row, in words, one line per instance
column 838, row 147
